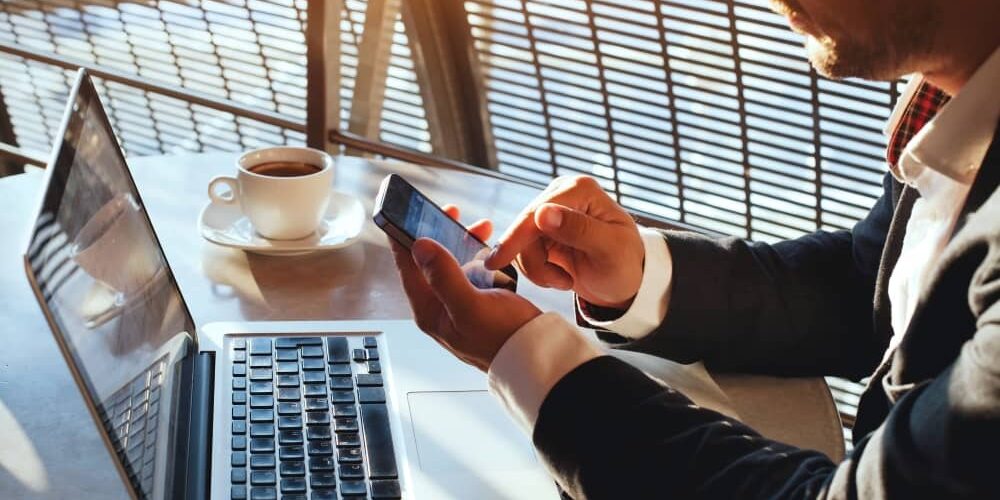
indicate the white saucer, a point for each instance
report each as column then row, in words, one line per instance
column 225, row 225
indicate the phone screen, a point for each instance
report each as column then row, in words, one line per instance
column 417, row 217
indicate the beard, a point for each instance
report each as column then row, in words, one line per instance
column 883, row 54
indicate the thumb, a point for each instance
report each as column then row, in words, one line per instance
column 574, row 229
column 443, row 274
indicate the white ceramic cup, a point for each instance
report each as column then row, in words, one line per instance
column 280, row 208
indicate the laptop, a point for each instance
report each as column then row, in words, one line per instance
column 293, row 410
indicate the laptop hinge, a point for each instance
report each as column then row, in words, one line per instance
column 199, row 459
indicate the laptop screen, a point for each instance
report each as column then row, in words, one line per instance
column 113, row 304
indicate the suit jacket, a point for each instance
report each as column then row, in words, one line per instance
column 928, row 424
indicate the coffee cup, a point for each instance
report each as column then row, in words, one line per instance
column 284, row 191
column 114, row 247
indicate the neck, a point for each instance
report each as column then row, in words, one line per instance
column 968, row 36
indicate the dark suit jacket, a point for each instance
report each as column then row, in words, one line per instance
column 928, row 424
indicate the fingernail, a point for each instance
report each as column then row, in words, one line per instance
column 552, row 218
column 494, row 251
column 422, row 254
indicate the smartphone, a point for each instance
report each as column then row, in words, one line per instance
column 406, row 215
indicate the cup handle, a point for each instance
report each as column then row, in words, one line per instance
column 226, row 198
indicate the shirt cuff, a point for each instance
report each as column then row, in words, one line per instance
column 533, row 360
column 649, row 307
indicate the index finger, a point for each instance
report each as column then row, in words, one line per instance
column 517, row 237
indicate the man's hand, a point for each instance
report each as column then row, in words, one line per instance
column 574, row 237
column 471, row 323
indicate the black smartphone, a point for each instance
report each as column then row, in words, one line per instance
column 406, row 215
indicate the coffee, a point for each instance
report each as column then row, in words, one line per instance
column 285, row 169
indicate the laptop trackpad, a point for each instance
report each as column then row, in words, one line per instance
column 466, row 431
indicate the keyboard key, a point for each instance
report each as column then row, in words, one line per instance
column 262, row 415
column 294, row 468
column 266, row 493
column 239, row 459
column 262, row 461
column 293, row 485
column 291, row 453
column 320, row 448
column 371, row 395
column 289, row 437
column 322, row 480
column 260, row 361
column 239, row 397
column 238, row 343
column 317, row 418
column 290, row 422
column 239, row 427
column 239, row 370
column 371, row 342
column 261, row 430
column 348, row 440
column 339, row 370
column 349, row 455
column 298, row 341
column 286, row 355
column 346, row 424
column 319, row 464
column 239, row 357
column 287, row 367
column 352, row 471
column 386, row 488
column 238, row 492
column 323, row 494
column 371, row 354
column 374, row 367
column 313, row 377
column 337, row 350
column 262, row 445
column 342, row 396
column 289, row 380
column 369, row 379
column 261, row 401
column 378, row 441
column 260, row 346
column 313, row 364
column 344, row 410
column 261, row 388
column 360, row 355
column 238, row 476
column 318, row 433
column 313, row 390
column 317, row 404
column 341, row 383
column 290, row 408
column 265, row 477
column 239, row 443
column 353, row 488
column 239, row 384
column 312, row 351
column 260, row 374
column 289, row 394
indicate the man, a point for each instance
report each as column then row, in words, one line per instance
column 910, row 296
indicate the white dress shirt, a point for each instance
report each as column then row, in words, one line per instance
column 941, row 162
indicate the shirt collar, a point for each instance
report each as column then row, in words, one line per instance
column 955, row 141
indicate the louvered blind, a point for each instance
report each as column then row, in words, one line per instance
column 700, row 111
column 249, row 51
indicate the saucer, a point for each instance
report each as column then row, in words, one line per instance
column 225, row 224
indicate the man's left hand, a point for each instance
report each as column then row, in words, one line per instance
column 471, row 323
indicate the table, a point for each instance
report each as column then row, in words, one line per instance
column 48, row 448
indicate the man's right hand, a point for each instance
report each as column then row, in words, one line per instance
column 573, row 236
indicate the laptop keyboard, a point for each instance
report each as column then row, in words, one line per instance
column 309, row 420
column 131, row 416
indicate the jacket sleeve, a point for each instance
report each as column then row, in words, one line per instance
column 936, row 442
column 798, row 307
